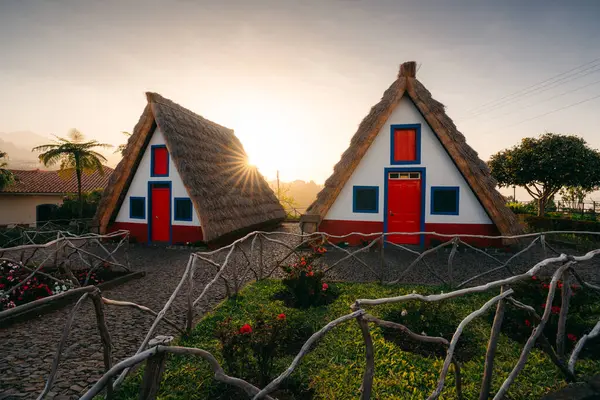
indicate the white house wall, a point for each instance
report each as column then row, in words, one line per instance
column 21, row 209
column 139, row 186
column 440, row 171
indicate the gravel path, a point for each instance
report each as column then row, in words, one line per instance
column 27, row 348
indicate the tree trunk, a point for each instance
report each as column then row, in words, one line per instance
column 542, row 201
column 79, row 194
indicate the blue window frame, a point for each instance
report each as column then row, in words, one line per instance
column 445, row 200
column 137, row 207
column 365, row 199
column 417, row 143
column 183, row 209
column 164, row 168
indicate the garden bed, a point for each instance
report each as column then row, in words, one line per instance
column 42, row 285
column 334, row 368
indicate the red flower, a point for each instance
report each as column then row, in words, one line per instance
column 544, row 305
column 281, row 316
column 527, row 322
column 1, row 285
column 302, row 262
column 571, row 337
column 325, row 287
column 309, row 268
column 534, row 278
column 555, row 309
column 310, row 273
column 560, row 285
column 246, row 329
column 545, row 286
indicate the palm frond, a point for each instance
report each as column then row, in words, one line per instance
column 45, row 147
column 53, row 156
column 76, row 136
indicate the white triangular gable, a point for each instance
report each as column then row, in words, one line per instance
column 440, row 171
column 139, row 185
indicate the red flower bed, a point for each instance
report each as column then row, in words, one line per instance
column 40, row 286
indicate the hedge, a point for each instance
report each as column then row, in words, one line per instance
column 538, row 224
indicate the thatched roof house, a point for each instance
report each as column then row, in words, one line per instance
column 184, row 178
column 410, row 151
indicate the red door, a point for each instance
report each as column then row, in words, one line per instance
column 404, row 206
column 160, row 224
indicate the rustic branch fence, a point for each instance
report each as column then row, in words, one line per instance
column 253, row 260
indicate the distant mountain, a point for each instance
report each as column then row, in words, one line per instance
column 18, row 146
column 303, row 193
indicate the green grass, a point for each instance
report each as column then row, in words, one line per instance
column 333, row 370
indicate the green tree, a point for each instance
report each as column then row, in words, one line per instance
column 574, row 196
column 6, row 177
column 546, row 164
column 74, row 155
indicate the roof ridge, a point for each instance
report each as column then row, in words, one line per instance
column 154, row 97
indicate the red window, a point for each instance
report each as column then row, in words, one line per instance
column 405, row 145
column 160, row 161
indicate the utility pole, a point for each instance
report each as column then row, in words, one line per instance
column 278, row 193
column 515, row 193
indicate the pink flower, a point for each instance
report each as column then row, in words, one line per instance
column 534, row 278
column 245, row 329
column 325, row 287
column 281, row 316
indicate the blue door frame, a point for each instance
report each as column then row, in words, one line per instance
column 385, row 197
column 149, row 213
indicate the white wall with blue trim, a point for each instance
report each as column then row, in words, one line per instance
column 440, row 171
column 139, row 186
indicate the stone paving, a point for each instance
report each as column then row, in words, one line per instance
column 27, row 348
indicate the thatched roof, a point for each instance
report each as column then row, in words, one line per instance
column 228, row 195
column 472, row 168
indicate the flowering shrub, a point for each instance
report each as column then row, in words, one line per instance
column 249, row 349
column 584, row 311
column 304, row 282
column 33, row 289
column 40, row 286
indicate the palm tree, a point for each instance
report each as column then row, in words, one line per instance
column 74, row 155
column 121, row 148
column 6, row 177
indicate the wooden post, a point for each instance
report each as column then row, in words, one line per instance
column 562, row 318
column 450, row 259
column 382, row 262
column 260, row 257
column 491, row 350
column 367, row 384
column 155, row 367
column 190, row 299
column 104, row 337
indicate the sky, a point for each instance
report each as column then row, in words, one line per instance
column 295, row 78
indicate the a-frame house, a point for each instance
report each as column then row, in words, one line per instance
column 408, row 169
column 185, row 179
